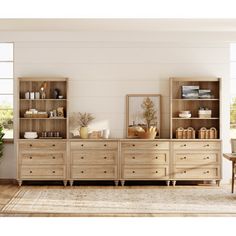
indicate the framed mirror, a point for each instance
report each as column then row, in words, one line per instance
column 143, row 116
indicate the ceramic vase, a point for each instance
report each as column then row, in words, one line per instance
column 84, row 132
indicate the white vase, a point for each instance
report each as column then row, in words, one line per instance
column 105, row 133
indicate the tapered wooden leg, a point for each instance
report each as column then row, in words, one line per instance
column 19, row 182
column 174, row 182
column 116, row 182
column 122, row 183
column 71, row 182
column 168, row 182
column 65, row 182
column 233, row 164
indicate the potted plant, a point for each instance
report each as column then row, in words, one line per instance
column 1, row 140
column 82, row 120
column 149, row 115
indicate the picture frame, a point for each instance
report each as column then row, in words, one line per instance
column 135, row 121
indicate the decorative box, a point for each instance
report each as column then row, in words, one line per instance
column 204, row 113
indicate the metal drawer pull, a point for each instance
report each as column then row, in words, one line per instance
column 54, row 145
column 156, row 157
column 133, row 145
column 105, row 157
column 183, row 158
column 53, row 157
column 156, row 145
column 184, row 172
column 31, row 145
column 82, row 171
column 205, row 158
column 105, row 145
column 156, row 171
column 105, row 172
column 207, row 145
column 31, row 172
column 133, row 171
column 185, row 145
column 206, row 172
column 82, row 157
column 82, row 145
column 133, row 157
column 53, row 171
column 30, row 157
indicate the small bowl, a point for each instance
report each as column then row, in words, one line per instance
column 185, row 112
column 60, row 96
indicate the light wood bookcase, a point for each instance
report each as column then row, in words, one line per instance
column 42, row 158
column 177, row 104
column 195, row 159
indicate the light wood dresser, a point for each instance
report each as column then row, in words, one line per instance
column 94, row 160
column 44, row 160
column 145, row 160
column 196, row 160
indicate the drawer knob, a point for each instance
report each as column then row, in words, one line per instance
column 206, row 158
column 156, row 157
column 30, row 157
column 30, row 145
column 105, row 145
column 105, row 171
column 207, row 145
column 133, row 171
column 31, row 172
column 82, row 171
column 206, row 172
column 156, row 171
column 133, row 157
column 184, row 172
column 82, row 145
column 185, row 145
column 54, row 145
column 133, row 145
column 105, row 157
column 53, row 157
column 53, row 171
column 82, row 157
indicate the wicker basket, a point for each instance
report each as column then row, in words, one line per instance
column 188, row 133
column 147, row 134
column 205, row 133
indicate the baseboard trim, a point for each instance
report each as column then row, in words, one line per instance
column 8, row 181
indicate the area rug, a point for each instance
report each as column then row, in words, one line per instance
column 94, row 200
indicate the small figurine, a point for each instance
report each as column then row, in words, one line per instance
column 60, row 112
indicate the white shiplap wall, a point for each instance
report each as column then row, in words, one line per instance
column 105, row 66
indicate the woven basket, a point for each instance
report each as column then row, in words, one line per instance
column 205, row 133
column 188, row 133
column 147, row 134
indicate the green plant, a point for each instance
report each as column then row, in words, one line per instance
column 149, row 113
column 1, row 140
column 80, row 119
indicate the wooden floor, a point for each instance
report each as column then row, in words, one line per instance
column 7, row 191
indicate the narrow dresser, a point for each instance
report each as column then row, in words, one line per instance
column 94, row 160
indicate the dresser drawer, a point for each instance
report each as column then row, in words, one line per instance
column 145, row 145
column 94, row 172
column 42, row 172
column 41, row 158
column 148, row 172
column 146, row 157
column 93, row 157
column 197, row 145
column 196, row 158
column 93, row 145
column 50, row 145
column 197, row 173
